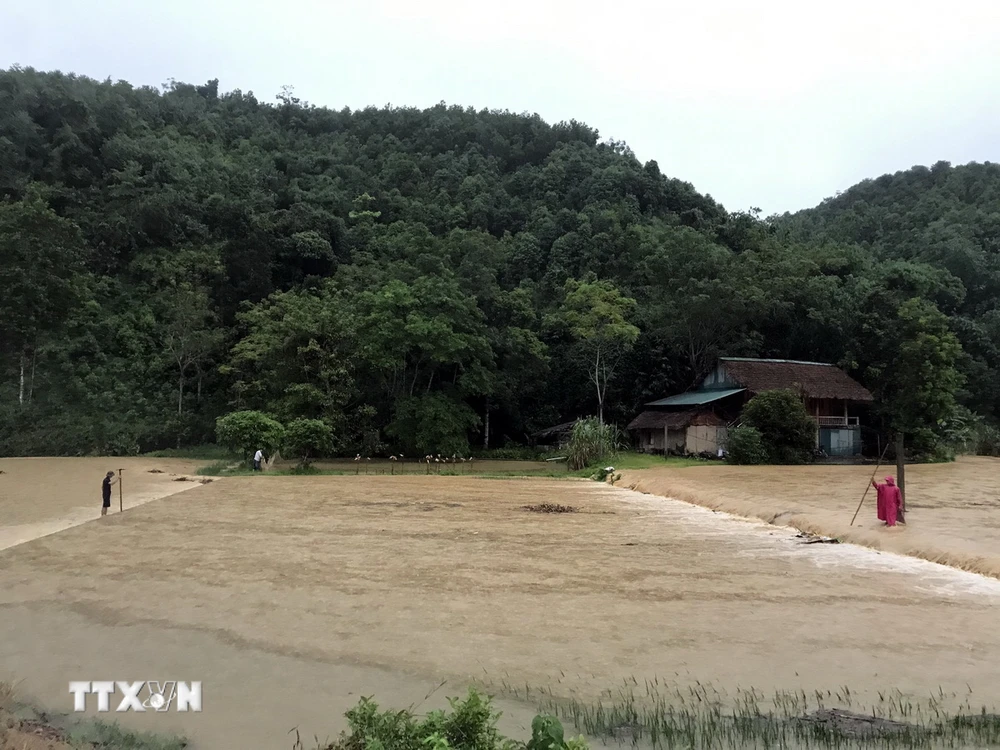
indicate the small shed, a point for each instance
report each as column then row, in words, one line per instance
column 690, row 431
column 555, row 436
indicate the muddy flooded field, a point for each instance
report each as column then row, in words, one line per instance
column 442, row 466
column 289, row 597
column 40, row 496
column 953, row 510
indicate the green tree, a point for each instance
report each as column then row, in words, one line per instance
column 745, row 446
column 190, row 336
column 596, row 314
column 248, row 431
column 918, row 378
column 299, row 355
column 307, row 439
column 432, row 424
column 787, row 432
column 40, row 275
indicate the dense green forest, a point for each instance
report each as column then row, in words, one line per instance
column 440, row 279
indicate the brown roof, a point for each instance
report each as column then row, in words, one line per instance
column 816, row 379
column 556, row 431
column 674, row 420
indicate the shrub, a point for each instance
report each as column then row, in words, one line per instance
column 469, row 724
column 786, row 429
column 592, row 441
column 307, row 439
column 509, row 453
column 607, row 471
column 246, row 431
column 988, row 440
column 745, row 446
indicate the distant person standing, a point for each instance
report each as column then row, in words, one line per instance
column 109, row 479
column 258, row 457
column 890, row 501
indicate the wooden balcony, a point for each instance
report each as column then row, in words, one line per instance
column 837, row 421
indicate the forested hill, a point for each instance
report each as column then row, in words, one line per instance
column 408, row 276
column 943, row 216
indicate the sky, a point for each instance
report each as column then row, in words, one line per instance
column 772, row 104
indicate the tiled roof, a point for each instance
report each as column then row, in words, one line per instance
column 816, row 379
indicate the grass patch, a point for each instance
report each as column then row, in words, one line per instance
column 700, row 717
column 25, row 727
column 210, row 452
column 234, row 467
column 105, row 735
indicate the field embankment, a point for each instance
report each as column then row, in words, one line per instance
column 41, row 496
column 953, row 510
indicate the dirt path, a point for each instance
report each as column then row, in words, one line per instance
column 41, row 496
column 335, row 585
column 953, row 510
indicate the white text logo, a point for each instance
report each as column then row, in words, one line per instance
column 145, row 695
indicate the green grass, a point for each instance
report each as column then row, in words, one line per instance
column 700, row 717
column 103, row 735
column 230, row 467
column 209, row 452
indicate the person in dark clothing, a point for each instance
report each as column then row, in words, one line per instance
column 109, row 480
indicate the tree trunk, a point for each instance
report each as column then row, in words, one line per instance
column 31, row 383
column 180, row 394
column 20, row 392
column 198, row 393
column 900, row 469
column 486, row 430
column 597, row 384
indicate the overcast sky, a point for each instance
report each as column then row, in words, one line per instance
column 761, row 103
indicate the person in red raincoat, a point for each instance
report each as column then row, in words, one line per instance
column 890, row 501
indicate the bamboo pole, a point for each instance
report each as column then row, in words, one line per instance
column 872, row 479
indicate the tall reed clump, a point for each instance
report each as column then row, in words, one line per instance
column 703, row 718
column 662, row 715
column 591, row 442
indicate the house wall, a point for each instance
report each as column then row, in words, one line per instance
column 676, row 440
column 704, row 438
column 840, row 442
column 651, row 441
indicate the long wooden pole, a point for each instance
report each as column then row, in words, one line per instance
column 870, row 482
column 120, row 505
column 900, row 473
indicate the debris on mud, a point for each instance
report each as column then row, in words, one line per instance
column 39, row 731
column 155, row 471
column 183, row 479
column 550, row 508
column 808, row 538
column 206, row 480
column 857, row 726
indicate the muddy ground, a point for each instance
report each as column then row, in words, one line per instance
column 40, row 496
column 291, row 596
column 953, row 510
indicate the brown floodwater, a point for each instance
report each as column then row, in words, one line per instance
column 289, row 597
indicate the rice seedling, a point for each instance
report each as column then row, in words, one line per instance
column 654, row 715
